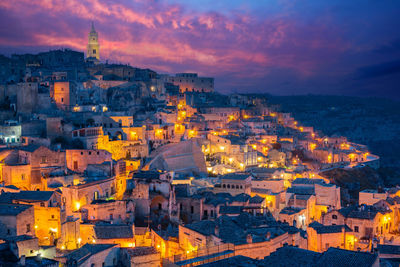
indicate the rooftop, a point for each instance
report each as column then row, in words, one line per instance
column 329, row 229
column 82, row 254
column 112, row 231
column 8, row 209
column 235, row 176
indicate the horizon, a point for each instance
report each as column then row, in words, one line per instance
column 275, row 47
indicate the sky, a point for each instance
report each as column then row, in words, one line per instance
column 281, row 47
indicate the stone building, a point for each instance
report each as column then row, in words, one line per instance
column 191, row 82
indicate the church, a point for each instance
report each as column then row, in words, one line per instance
column 93, row 47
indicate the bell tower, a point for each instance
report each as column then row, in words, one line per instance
column 93, row 48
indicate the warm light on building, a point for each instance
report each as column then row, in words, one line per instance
column 134, row 136
column 344, row 146
column 159, row 133
column 77, row 206
column 313, row 146
column 192, row 133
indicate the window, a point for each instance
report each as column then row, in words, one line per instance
column 334, row 216
column 111, row 217
column 94, row 51
column 22, row 176
column 159, row 206
column 90, row 152
column 356, row 229
column 28, row 228
column 52, row 216
column 192, row 209
column 62, row 99
column 43, row 160
column 41, row 204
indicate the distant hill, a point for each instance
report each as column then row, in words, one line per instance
column 351, row 181
column 374, row 122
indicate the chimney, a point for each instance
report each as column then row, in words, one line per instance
column 216, row 230
column 268, row 235
column 22, row 260
column 249, row 239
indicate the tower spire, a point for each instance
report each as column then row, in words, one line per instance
column 93, row 44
